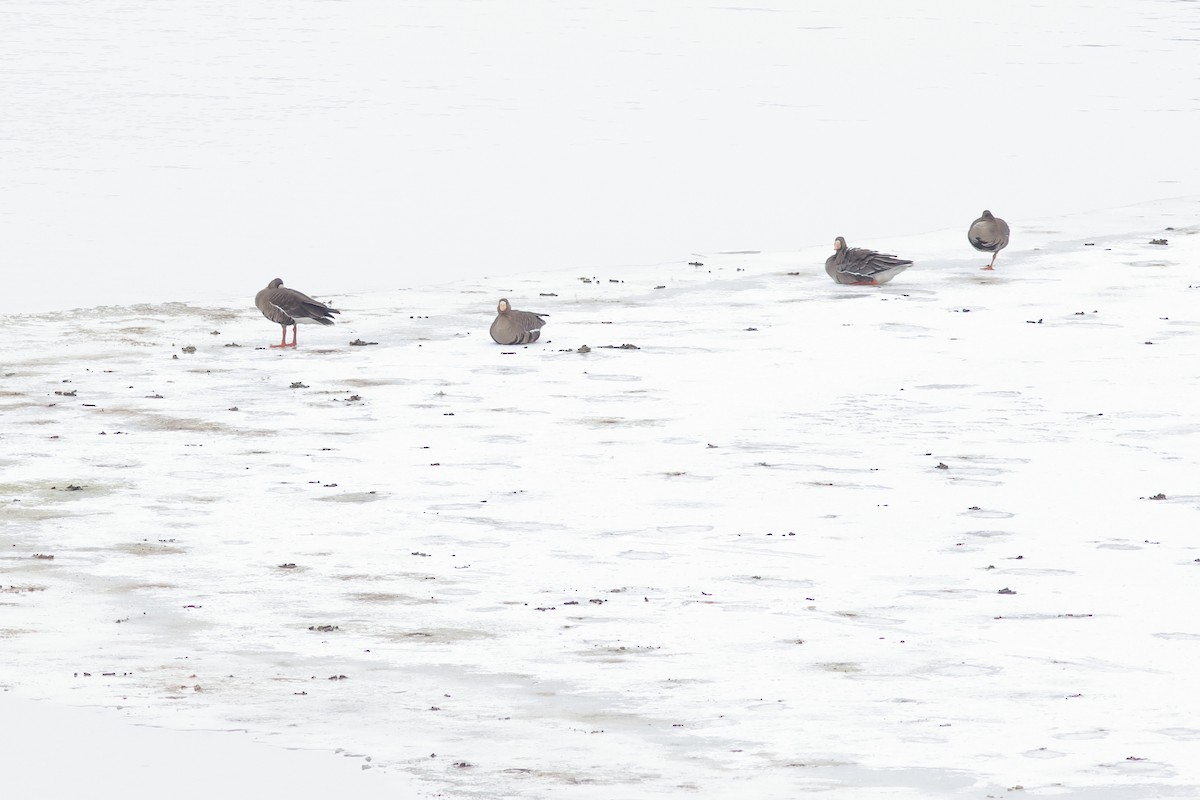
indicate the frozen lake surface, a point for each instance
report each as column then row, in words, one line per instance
column 935, row 539
column 189, row 151
column 930, row 539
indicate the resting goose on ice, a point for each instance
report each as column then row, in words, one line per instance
column 515, row 327
column 989, row 234
column 860, row 266
column 285, row 307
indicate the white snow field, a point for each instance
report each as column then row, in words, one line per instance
column 932, row 539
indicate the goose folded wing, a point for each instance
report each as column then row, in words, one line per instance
column 865, row 263
column 988, row 240
column 298, row 305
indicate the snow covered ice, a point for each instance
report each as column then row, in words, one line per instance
column 765, row 535
column 728, row 561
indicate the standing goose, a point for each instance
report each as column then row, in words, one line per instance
column 287, row 307
column 989, row 234
column 515, row 327
column 860, row 266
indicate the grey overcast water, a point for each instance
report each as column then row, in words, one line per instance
column 195, row 149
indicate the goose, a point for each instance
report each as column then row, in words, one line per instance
column 989, row 234
column 287, row 307
column 515, row 327
column 860, row 266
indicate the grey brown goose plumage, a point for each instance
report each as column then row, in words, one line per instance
column 989, row 234
column 285, row 307
column 860, row 266
column 515, row 327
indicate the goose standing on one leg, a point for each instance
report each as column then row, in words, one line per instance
column 287, row 307
column 989, row 234
column 860, row 266
column 515, row 327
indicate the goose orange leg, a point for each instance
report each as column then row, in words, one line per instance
column 283, row 342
